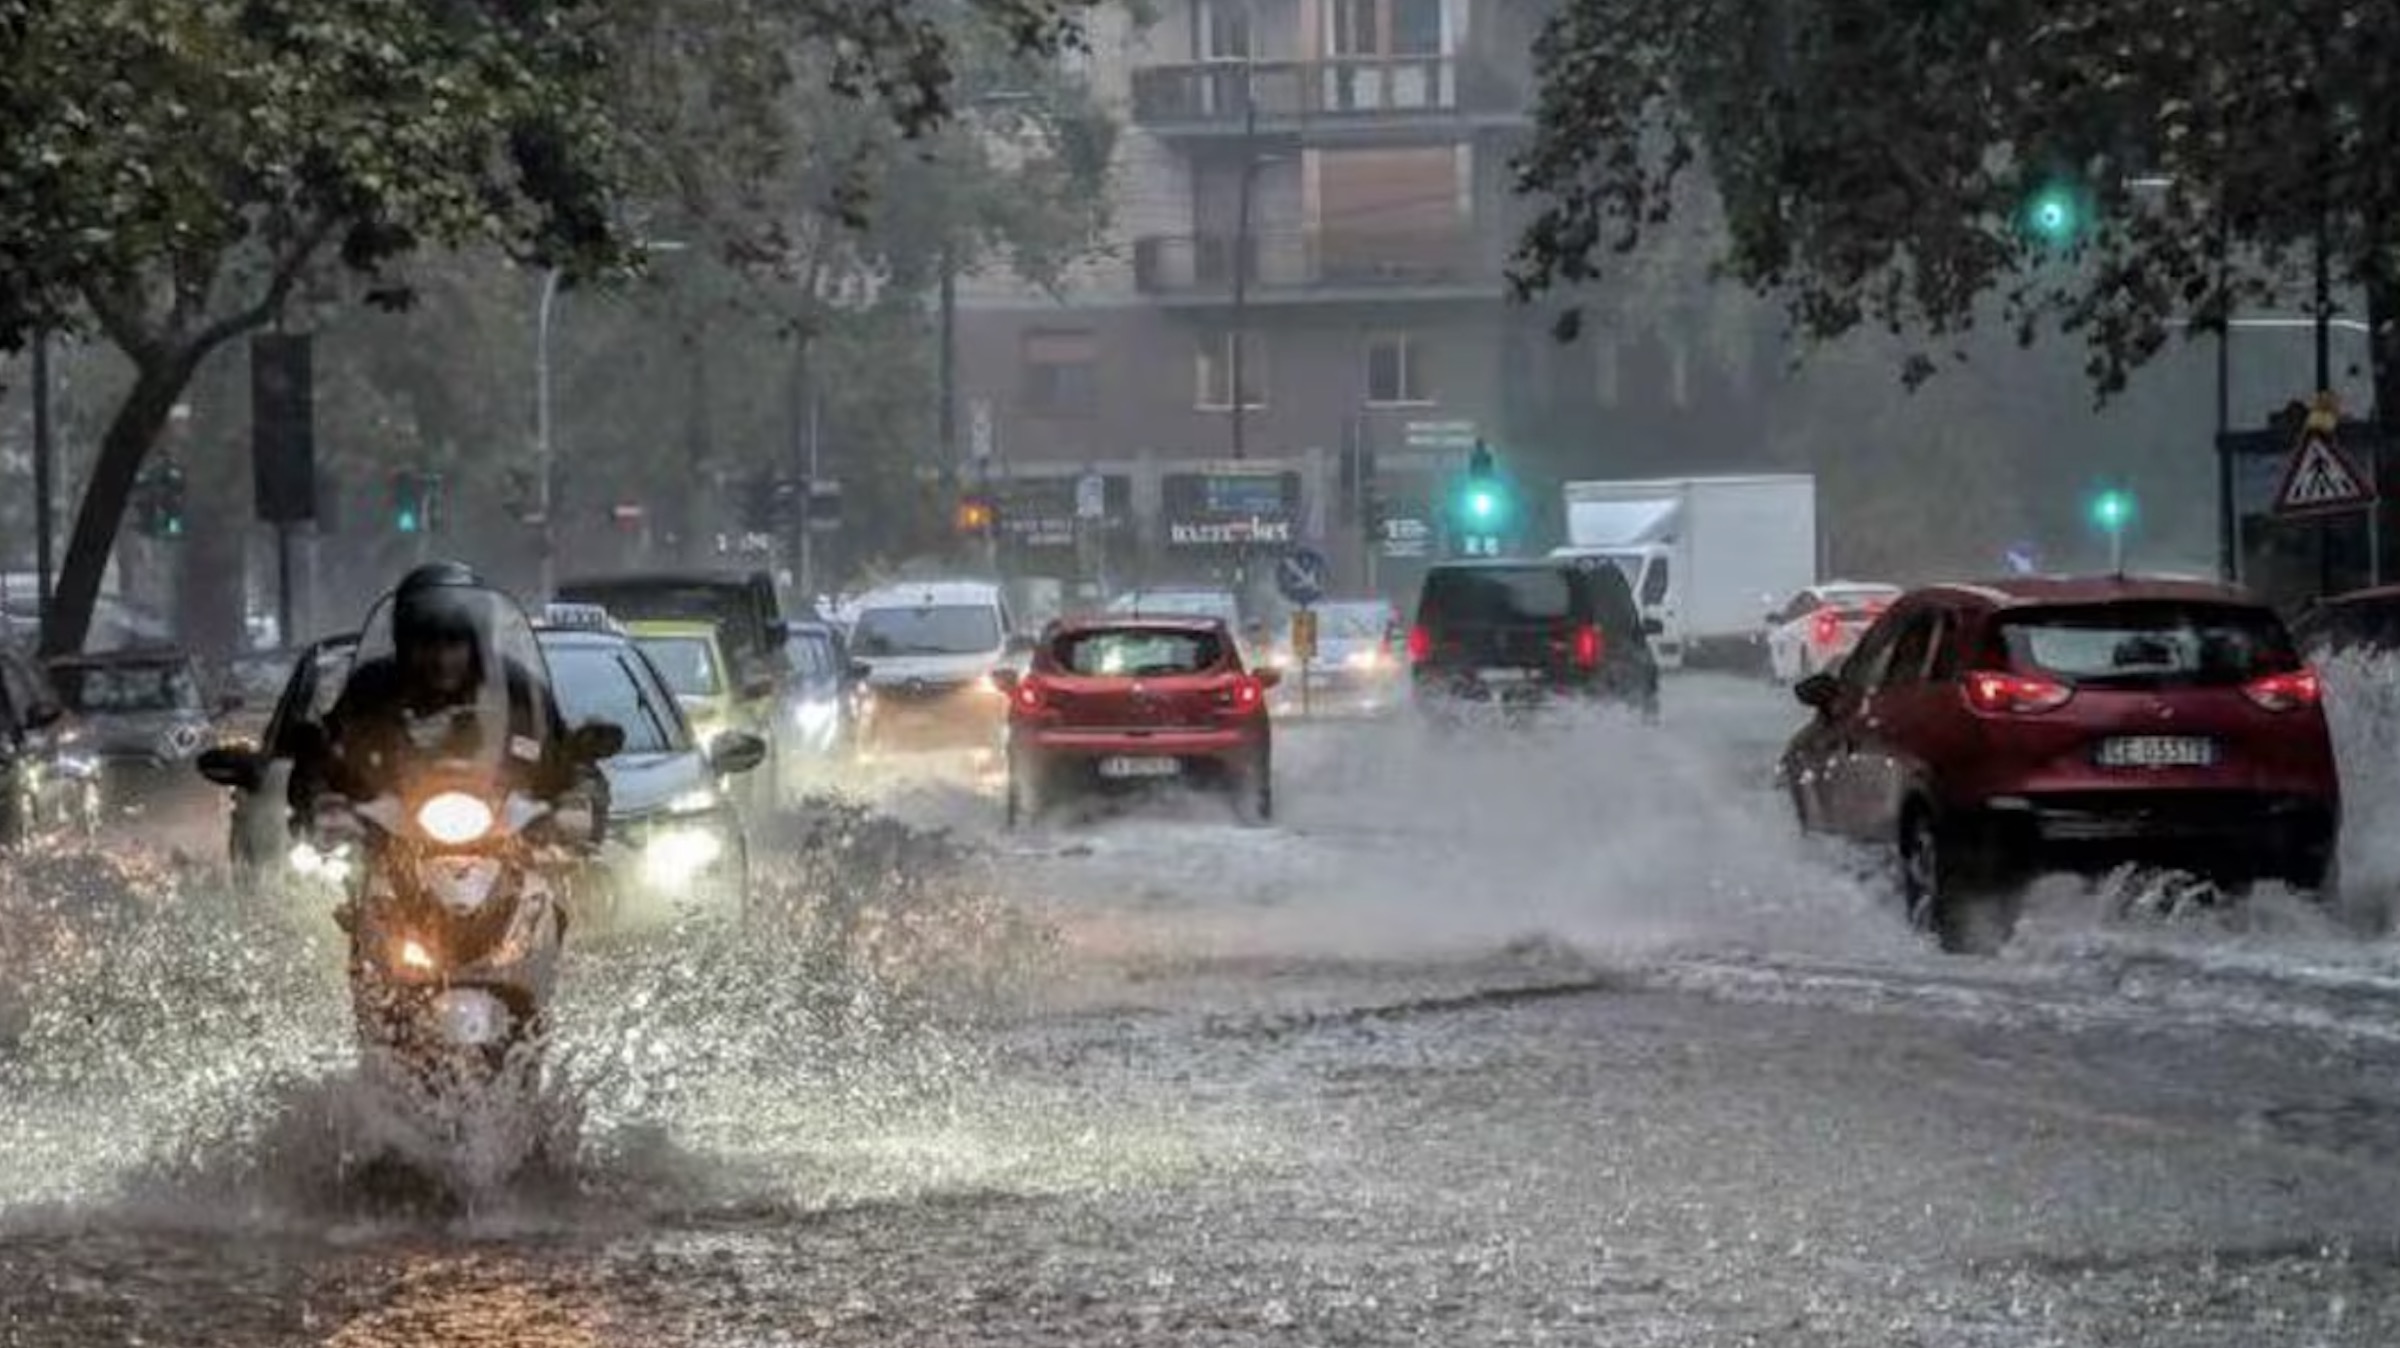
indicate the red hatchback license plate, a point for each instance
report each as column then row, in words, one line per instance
column 2158, row 751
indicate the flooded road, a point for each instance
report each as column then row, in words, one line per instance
column 1570, row 1041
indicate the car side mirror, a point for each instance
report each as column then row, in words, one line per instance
column 240, row 769
column 1652, row 627
column 861, row 671
column 758, row 686
column 1268, row 677
column 1818, row 691
column 1005, row 680
column 1019, row 644
column 779, row 631
column 595, row 741
column 736, row 751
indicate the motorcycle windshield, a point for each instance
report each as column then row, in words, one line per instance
column 464, row 679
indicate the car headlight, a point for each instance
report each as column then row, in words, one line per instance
column 454, row 818
column 676, row 855
column 1364, row 659
column 699, row 801
column 816, row 717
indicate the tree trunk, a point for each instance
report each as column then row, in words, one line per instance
column 158, row 381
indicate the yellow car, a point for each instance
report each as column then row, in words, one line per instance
column 691, row 659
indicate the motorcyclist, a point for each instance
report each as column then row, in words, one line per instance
column 440, row 637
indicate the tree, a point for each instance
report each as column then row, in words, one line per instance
column 2104, row 168
column 175, row 171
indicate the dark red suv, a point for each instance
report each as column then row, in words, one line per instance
column 1994, row 732
column 1121, row 701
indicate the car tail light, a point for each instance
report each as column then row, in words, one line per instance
column 1997, row 694
column 1828, row 628
column 1248, row 693
column 2288, row 691
column 1588, row 647
column 1029, row 695
column 1420, row 645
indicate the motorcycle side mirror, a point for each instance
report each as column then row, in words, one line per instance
column 594, row 741
column 736, row 751
column 239, row 769
column 1818, row 691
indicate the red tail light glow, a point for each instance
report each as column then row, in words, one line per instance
column 1996, row 694
column 1248, row 695
column 1028, row 695
column 2289, row 691
column 1828, row 627
column 1420, row 645
column 1587, row 647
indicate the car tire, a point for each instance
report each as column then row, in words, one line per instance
column 1254, row 791
column 1953, row 888
column 2363, row 912
column 1024, row 795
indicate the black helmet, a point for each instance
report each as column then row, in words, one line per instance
column 439, row 601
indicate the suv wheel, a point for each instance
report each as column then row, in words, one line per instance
column 1954, row 889
column 1024, row 792
column 1254, row 791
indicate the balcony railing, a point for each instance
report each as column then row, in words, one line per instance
column 1201, row 265
column 1212, row 95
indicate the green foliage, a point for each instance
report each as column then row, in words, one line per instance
column 1875, row 157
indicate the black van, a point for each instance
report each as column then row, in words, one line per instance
column 742, row 604
column 1528, row 632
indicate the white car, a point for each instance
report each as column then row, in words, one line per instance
column 1821, row 624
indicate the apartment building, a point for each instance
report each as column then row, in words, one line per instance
column 1313, row 192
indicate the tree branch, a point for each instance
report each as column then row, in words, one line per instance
column 285, row 275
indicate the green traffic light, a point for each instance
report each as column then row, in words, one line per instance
column 2053, row 215
column 1483, row 503
column 408, row 521
column 2111, row 510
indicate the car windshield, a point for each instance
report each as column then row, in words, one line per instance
column 1353, row 622
column 688, row 664
column 259, row 678
column 598, row 682
column 2147, row 644
column 1134, row 652
column 811, row 655
column 931, row 629
column 105, row 689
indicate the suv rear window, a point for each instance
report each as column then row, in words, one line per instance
column 1491, row 594
column 1137, row 652
column 2147, row 645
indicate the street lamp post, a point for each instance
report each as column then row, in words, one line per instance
column 545, row 488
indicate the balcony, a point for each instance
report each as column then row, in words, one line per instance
column 1317, row 267
column 1346, row 93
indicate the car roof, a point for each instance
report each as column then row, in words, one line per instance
column 920, row 593
column 2380, row 594
column 698, row 577
column 681, row 628
column 2026, row 591
column 579, row 636
column 139, row 655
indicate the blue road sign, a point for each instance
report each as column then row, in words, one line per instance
column 1300, row 575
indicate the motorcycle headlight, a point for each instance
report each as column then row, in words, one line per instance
column 675, row 856
column 454, row 818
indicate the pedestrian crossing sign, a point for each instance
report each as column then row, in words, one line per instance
column 2320, row 477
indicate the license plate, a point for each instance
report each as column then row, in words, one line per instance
column 1139, row 767
column 1503, row 677
column 2158, row 751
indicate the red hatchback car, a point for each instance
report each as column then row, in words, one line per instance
column 1110, row 701
column 1994, row 732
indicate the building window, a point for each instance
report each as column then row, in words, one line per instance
column 1396, row 369
column 1224, row 30
column 1381, row 28
column 1216, row 371
column 1356, row 27
column 1058, row 371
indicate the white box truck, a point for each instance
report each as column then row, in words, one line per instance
column 1708, row 557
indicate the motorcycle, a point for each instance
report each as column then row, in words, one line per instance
column 455, row 877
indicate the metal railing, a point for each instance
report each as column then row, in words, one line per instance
column 1170, row 264
column 1215, row 93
